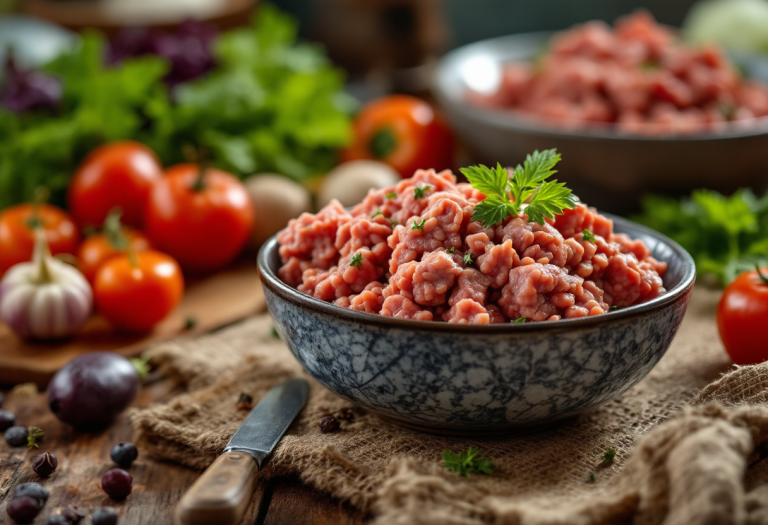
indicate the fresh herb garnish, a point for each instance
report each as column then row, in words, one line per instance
column 467, row 462
column 394, row 223
column 377, row 214
column 450, row 250
column 468, row 259
column 391, row 195
column 190, row 322
column 34, row 436
column 544, row 199
column 613, row 308
column 273, row 332
column 418, row 225
column 357, row 260
column 588, row 235
column 418, row 191
column 725, row 235
column 591, row 478
column 609, row 456
column 520, row 320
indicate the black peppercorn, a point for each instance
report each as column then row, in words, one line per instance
column 104, row 516
column 16, row 436
column 31, row 489
column 123, row 454
column 244, row 402
column 329, row 424
column 23, row 509
column 45, row 464
column 73, row 513
column 7, row 420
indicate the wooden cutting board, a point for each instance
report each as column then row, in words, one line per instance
column 212, row 302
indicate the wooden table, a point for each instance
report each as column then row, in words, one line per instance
column 157, row 486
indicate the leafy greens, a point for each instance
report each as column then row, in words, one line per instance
column 726, row 235
column 271, row 104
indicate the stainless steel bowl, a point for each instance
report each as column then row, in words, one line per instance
column 605, row 168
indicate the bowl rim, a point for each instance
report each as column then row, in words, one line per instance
column 517, row 121
column 284, row 291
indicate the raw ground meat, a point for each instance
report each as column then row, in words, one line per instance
column 636, row 76
column 404, row 253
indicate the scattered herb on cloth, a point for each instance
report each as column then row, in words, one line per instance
column 725, row 235
column 609, row 456
column 529, row 184
column 467, row 462
column 270, row 104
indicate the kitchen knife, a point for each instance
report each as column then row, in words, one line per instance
column 221, row 495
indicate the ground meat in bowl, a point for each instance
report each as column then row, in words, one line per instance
column 413, row 251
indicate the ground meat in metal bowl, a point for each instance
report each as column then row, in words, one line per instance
column 412, row 251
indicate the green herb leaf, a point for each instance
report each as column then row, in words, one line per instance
column 468, row 259
column 450, row 250
column 377, row 214
column 190, row 322
column 394, row 223
column 520, row 320
column 591, row 478
column 418, row 225
column 587, row 235
column 467, row 462
column 34, row 436
column 609, row 456
column 391, row 195
column 547, row 199
column 273, row 332
column 418, row 191
column 613, row 308
column 357, row 260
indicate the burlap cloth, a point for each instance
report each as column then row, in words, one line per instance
column 688, row 450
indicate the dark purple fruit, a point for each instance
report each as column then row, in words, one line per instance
column 117, row 483
column 23, row 509
column 33, row 490
column 45, row 464
column 104, row 516
column 58, row 519
column 91, row 390
column 16, row 436
column 124, row 454
column 73, row 513
column 7, row 419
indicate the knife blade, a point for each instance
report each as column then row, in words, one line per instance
column 222, row 494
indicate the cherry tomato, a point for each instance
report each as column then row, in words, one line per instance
column 118, row 174
column 203, row 222
column 742, row 317
column 99, row 248
column 135, row 296
column 404, row 132
column 17, row 237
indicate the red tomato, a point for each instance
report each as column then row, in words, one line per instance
column 135, row 297
column 742, row 317
column 115, row 175
column 97, row 249
column 204, row 223
column 17, row 237
column 404, row 132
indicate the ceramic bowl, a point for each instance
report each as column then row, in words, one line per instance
column 607, row 169
column 473, row 378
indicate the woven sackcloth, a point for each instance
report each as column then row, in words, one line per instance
column 689, row 441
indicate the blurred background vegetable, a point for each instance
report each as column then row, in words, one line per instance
column 268, row 104
column 736, row 24
column 725, row 235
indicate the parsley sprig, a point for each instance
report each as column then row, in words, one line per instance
column 544, row 199
column 467, row 462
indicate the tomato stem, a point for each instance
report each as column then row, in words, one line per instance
column 383, row 143
column 759, row 271
column 113, row 230
column 40, row 197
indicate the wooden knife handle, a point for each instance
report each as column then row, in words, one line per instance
column 222, row 494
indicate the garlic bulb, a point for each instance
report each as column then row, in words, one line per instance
column 45, row 298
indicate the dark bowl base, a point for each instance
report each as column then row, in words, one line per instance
column 480, row 432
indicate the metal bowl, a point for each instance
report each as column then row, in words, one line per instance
column 480, row 378
column 608, row 169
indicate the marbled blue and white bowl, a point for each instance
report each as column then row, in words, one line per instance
column 473, row 378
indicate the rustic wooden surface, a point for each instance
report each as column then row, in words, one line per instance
column 214, row 301
column 157, row 486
